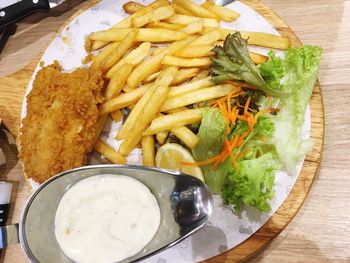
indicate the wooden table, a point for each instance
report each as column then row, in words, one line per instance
column 321, row 230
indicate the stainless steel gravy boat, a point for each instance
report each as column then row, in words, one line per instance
column 185, row 204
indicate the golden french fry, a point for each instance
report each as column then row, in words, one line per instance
column 124, row 100
column 194, row 8
column 186, row 62
column 132, row 7
column 198, row 96
column 143, row 70
column 155, row 15
column 134, row 57
column 201, row 75
column 99, row 126
column 161, row 137
column 148, row 151
column 177, row 45
column 173, row 120
column 193, row 27
column 184, row 74
column 185, row 19
column 149, row 110
column 117, row 115
column 117, row 83
column 117, row 53
column 186, row 136
column 181, row 11
column 109, row 153
column 207, row 38
column 151, row 77
column 144, row 34
column 166, row 26
column 126, row 23
column 181, row 76
column 190, row 87
column 256, row 38
column 221, row 12
column 105, row 52
column 258, row 58
column 196, row 51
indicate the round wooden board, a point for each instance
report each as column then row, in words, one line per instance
column 12, row 89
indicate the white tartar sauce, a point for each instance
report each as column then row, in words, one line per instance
column 106, row 218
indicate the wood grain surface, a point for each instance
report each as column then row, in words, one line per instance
column 320, row 231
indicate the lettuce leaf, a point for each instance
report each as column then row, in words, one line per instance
column 252, row 184
column 211, row 137
column 297, row 73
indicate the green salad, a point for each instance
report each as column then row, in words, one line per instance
column 245, row 137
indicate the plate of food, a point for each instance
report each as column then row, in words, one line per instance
column 211, row 91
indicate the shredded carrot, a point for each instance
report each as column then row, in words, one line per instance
column 246, row 106
column 244, row 153
column 211, row 160
column 242, row 118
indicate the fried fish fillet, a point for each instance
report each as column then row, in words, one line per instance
column 60, row 128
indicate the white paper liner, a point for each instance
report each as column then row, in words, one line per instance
column 225, row 229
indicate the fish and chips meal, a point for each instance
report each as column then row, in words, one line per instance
column 188, row 92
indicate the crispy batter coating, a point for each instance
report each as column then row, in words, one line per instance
column 59, row 129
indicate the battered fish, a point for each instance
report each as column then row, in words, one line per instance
column 60, row 128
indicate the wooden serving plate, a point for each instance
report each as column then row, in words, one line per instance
column 12, row 90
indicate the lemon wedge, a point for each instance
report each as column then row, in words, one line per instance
column 171, row 155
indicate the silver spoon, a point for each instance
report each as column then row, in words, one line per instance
column 185, row 204
column 223, row 2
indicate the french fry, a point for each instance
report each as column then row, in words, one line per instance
column 198, row 96
column 161, row 137
column 196, row 51
column 186, row 62
column 258, row 58
column 149, row 110
column 117, row 83
column 177, row 119
column 181, row 76
column 109, row 153
column 194, row 8
column 126, row 23
column 132, row 7
column 155, row 15
column 99, row 126
column 207, row 38
column 105, row 52
column 221, row 12
column 148, row 151
column 151, row 77
column 117, row 53
column 117, row 115
column 256, row 38
column 143, row 70
column 144, row 34
column 124, row 100
column 134, row 57
column 166, row 26
column 201, row 75
column 193, row 27
column 181, row 11
column 184, row 19
column 135, row 113
column 184, row 74
column 186, row 136
column 152, row 65
column 190, row 87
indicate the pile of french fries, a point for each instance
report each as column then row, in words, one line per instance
column 157, row 61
